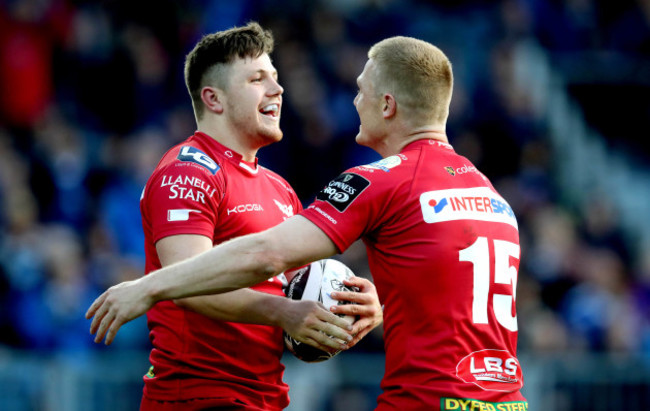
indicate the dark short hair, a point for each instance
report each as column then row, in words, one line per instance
column 215, row 50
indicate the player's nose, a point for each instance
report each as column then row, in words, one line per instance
column 276, row 89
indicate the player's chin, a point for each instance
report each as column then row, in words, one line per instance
column 361, row 139
column 272, row 134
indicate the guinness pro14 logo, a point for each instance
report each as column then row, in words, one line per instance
column 343, row 190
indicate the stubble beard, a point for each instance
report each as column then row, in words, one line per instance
column 269, row 135
column 264, row 134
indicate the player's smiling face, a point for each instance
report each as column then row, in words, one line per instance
column 253, row 99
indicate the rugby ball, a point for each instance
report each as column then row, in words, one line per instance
column 315, row 282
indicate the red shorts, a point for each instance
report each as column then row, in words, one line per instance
column 199, row 404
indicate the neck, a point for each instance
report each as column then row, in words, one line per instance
column 426, row 133
column 396, row 145
column 229, row 138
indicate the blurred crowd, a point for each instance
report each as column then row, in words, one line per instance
column 92, row 94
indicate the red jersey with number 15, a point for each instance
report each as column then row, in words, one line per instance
column 201, row 187
column 443, row 250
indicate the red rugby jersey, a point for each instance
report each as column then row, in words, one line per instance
column 443, row 249
column 202, row 187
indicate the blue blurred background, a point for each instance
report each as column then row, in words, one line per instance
column 551, row 101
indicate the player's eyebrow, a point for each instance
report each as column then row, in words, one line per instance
column 273, row 73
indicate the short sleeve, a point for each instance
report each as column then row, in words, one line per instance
column 183, row 199
column 348, row 208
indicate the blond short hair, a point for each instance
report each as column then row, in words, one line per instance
column 419, row 76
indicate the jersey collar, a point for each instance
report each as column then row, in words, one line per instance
column 229, row 154
column 427, row 142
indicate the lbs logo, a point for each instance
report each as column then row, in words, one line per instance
column 194, row 155
column 491, row 370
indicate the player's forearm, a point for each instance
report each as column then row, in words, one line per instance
column 243, row 306
column 236, row 264
column 241, row 262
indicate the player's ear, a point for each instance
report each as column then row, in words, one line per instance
column 389, row 106
column 212, row 98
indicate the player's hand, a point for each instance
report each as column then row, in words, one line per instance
column 367, row 307
column 309, row 322
column 117, row 306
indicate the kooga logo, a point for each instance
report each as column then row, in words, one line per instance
column 243, row 208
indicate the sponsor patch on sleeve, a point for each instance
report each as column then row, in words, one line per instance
column 181, row 214
column 194, row 155
column 386, row 164
column 343, row 190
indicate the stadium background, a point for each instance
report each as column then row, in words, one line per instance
column 550, row 101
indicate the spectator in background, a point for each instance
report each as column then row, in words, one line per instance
column 28, row 33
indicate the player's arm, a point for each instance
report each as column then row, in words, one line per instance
column 238, row 263
column 306, row 321
column 241, row 262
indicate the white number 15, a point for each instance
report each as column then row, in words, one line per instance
column 479, row 255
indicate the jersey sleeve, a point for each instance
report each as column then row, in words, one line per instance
column 349, row 207
column 183, row 199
